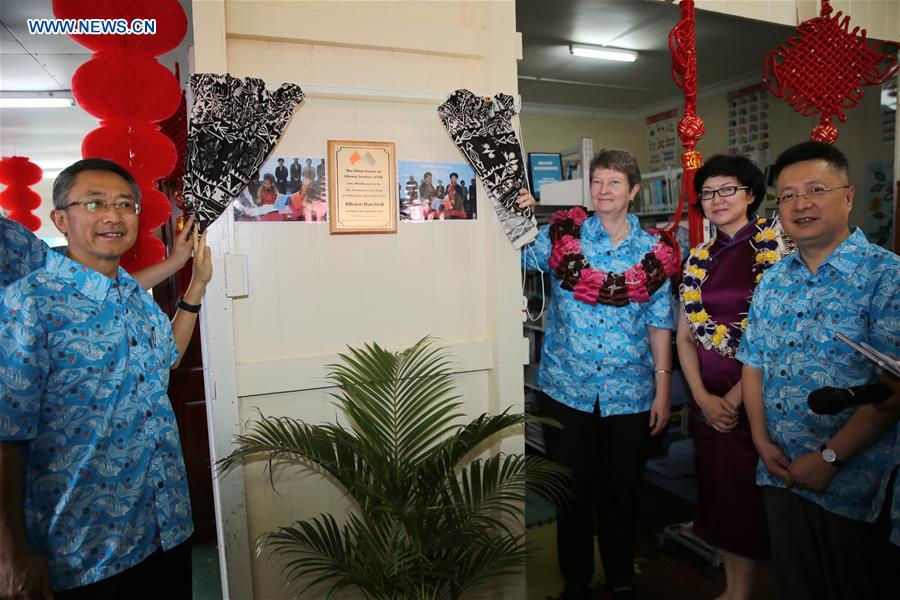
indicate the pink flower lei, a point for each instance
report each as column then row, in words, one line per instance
column 594, row 286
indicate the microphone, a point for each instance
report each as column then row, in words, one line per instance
column 832, row 400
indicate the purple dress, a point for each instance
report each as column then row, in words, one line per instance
column 729, row 507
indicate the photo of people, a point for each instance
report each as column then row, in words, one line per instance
column 285, row 189
column 436, row 191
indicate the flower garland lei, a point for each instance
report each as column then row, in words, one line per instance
column 770, row 243
column 593, row 286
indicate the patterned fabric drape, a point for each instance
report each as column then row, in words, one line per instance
column 482, row 129
column 234, row 126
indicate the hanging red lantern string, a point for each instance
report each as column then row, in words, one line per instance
column 682, row 46
column 125, row 87
column 19, row 174
column 822, row 68
column 171, row 23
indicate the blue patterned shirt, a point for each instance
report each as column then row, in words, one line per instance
column 600, row 352
column 20, row 252
column 790, row 336
column 85, row 364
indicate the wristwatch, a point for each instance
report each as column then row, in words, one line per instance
column 191, row 308
column 830, row 456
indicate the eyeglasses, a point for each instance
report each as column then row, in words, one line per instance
column 724, row 192
column 815, row 192
column 128, row 207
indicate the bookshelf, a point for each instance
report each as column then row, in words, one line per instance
column 660, row 191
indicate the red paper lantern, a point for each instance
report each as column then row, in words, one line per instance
column 20, row 197
column 26, row 218
column 139, row 147
column 17, row 172
column 146, row 251
column 171, row 23
column 155, row 208
column 128, row 86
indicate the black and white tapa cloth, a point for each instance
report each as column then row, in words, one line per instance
column 482, row 130
column 234, row 126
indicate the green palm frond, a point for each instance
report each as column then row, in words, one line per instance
column 428, row 521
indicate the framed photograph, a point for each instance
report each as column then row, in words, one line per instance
column 430, row 190
column 286, row 188
column 362, row 184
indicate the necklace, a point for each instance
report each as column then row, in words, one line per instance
column 615, row 239
column 770, row 244
column 593, row 286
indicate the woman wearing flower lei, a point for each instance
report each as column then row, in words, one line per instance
column 717, row 286
column 605, row 364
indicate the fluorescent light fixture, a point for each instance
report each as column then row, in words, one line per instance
column 603, row 53
column 36, row 102
column 52, row 174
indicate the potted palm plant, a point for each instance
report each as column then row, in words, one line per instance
column 430, row 519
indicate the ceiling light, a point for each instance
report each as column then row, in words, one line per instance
column 51, row 174
column 36, row 102
column 603, row 53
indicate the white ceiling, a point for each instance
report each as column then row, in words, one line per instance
column 730, row 51
column 45, row 63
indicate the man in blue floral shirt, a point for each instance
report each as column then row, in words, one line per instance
column 825, row 479
column 93, row 495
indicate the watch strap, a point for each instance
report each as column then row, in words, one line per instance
column 191, row 308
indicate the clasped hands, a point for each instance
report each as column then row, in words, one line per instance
column 808, row 471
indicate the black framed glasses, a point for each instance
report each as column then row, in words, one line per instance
column 813, row 192
column 724, row 192
column 128, row 207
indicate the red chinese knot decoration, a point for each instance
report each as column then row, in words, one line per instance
column 682, row 46
column 820, row 70
column 125, row 87
column 19, row 174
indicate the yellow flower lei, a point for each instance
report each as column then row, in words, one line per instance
column 723, row 338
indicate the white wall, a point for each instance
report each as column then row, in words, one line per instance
column 311, row 294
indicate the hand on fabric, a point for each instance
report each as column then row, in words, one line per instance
column 202, row 268
column 659, row 414
column 776, row 461
column 526, row 200
column 24, row 578
column 811, row 472
column 183, row 244
column 719, row 413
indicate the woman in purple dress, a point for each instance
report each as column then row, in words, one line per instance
column 719, row 278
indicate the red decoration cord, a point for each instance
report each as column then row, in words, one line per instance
column 682, row 46
column 820, row 70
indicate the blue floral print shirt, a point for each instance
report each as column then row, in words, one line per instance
column 600, row 353
column 85, row 365
column 20, row 252
column 790, row 336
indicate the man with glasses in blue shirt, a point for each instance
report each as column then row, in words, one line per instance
column 824, row 477
column 93, row 494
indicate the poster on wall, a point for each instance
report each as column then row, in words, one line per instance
column 878, row 196
column 285, row 188
column 543, row 167
column 363, row 176
column 748, row 124
column 435, row 191
column 662, row 140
